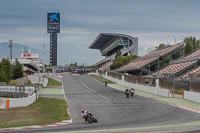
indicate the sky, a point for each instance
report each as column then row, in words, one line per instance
column 152, row 21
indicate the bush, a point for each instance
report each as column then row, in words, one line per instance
column 179, row 91
column 12, row 82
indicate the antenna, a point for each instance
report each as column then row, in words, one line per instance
column 10, row 46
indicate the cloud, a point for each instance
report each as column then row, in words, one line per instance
column 66, row 46
column 152, row 21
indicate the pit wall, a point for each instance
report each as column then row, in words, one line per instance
column 149, row 89
column 19, row 102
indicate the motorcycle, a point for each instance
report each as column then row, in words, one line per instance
column 90, row 118
column 127, row 94
column 132, row 92
column 105, row 83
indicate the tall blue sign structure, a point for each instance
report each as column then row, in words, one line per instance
column 53, row 27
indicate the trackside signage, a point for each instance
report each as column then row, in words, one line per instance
column 79, row 69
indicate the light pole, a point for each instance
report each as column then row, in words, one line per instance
column 149, row 69
column 43, row 58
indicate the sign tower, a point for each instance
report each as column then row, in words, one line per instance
column 53, row 27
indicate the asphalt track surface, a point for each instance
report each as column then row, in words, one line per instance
column 112, row 109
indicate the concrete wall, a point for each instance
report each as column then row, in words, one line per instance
column 19, row 102
column 149, row 89
column 192, row 96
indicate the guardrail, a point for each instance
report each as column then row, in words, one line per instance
column 16, row 91
column 22, row 96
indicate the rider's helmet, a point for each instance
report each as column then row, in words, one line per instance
column 82, row 110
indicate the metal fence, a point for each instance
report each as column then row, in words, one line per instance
column 115, row 75
column 17, row 91
column 191, row 83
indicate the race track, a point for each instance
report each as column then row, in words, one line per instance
column 112, row 109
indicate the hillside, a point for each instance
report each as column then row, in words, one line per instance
column 16, row 51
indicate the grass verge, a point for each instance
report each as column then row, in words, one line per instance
column 101, row 79
column 44, row 111
column 53, row 82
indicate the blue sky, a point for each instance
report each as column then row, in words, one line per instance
column 152, row 21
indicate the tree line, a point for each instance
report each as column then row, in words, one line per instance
column 10, row 71
column 120, row 60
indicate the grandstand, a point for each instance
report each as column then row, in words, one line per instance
column 109, row 44
column 151, row 61
column 184, row 67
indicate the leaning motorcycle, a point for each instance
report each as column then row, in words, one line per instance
column 90, row 118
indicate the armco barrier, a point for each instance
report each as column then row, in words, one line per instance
column 149, row 89
column 19, row 102
column 192, row 96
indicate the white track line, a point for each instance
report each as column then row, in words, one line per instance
column 95, row 92
column 90, row 89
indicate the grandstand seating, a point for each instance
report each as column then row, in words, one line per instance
column 175, row 68
column 193, row 56
column 163, row 52
column 138, row 64
column 193, row 72
column 151, row 57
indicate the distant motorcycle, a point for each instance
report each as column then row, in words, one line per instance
column 127, row 93
column 105, row 83
column 90, row 118
column 132, row 91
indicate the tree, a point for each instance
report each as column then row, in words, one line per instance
column 121, row 60
column 6, row 66
column 18, row 70
column 191, row 44
column 6, row 72
column 162, row 46
column 73, row 65
column 3, row 77
column 119, row 53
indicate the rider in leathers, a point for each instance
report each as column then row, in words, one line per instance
column 84, row 112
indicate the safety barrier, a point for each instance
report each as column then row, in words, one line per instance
column 149, row 89
column 192, row 96
column 18, row 102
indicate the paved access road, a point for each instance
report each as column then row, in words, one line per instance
column 113, row 110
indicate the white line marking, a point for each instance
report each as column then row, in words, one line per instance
column 65, row 99
column 95, row 92
column 89, row 89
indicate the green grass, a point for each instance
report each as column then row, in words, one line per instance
column 43, row 112
column 53, row 82
column 102, row 79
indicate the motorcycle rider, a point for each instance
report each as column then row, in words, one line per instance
column 132, row 91
column 84, row 112
column 127, row 92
